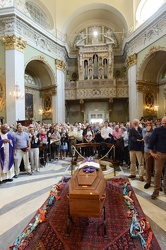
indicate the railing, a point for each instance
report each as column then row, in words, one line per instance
column 116, row 88
column 96, row 83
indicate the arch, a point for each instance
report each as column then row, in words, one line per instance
column 86, row 14
column 41, row 70
column 150, row 68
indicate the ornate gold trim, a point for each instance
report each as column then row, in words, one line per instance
column 143, row 86
column 131, row 60
column 13, row 42
column 51, row 91
column 3, row 90
column 60, row 65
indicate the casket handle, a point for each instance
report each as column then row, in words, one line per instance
column 103, row 197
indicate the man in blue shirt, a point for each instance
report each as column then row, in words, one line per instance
column 157, row 146
column 22, row 148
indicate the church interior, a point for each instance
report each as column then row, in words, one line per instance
column 79, row 61
column 82, row 61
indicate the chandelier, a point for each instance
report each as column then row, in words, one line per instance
column 17, row 93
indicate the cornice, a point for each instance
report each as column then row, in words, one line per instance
column 145, row 35
column 16, row 22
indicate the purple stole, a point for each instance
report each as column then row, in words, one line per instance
column 11, row 153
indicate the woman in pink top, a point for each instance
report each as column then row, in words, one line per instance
column 116, row 133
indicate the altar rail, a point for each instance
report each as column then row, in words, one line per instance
column 93, row 144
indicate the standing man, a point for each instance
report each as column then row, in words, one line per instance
column 106, row 135
column 22, row 150
column 157, row 146
column 34, row 150
column 106, row 132
column 136, row 150
column 149, row 160
column 7, row 148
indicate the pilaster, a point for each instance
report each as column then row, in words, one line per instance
column 133, row 103
column 59, row 100
column 14, row 53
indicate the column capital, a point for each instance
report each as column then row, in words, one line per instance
column 13, row 42
column 131, row 60
column 60, row 65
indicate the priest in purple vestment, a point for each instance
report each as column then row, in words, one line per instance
column 7, row 150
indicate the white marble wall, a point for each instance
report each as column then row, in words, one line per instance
column 15, row 108
column 133, row 113
column 58, row 101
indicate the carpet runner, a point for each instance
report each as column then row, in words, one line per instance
column 47, row 229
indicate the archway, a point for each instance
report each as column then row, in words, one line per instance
column 151, row 82
column 39, row 87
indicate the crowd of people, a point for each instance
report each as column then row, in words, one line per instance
column 138, row 145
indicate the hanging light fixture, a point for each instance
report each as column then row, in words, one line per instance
column 41, row 111
column 17, row 93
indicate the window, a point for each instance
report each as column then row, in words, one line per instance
column 29, row 80
column 38, row 15
column 147, row 8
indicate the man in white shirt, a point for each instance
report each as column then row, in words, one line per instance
column 106, row 132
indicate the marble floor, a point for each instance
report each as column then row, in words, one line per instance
column 20, row 199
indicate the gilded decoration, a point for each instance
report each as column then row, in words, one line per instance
column 60, row 65
column 46, row 95
column 51, row 91
column 131, row 60
column 13, row 42
column 144, row 86
column 150, row 92
column 2, row 93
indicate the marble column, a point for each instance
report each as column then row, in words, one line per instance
column 59, row 99
column 14, row 55
column 133, row 100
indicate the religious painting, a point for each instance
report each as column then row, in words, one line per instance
column 47, row 103
column 28, row 106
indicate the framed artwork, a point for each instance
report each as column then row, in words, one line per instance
column 28, row 106
column 47, row 103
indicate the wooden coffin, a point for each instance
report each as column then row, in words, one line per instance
column 87, row 193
